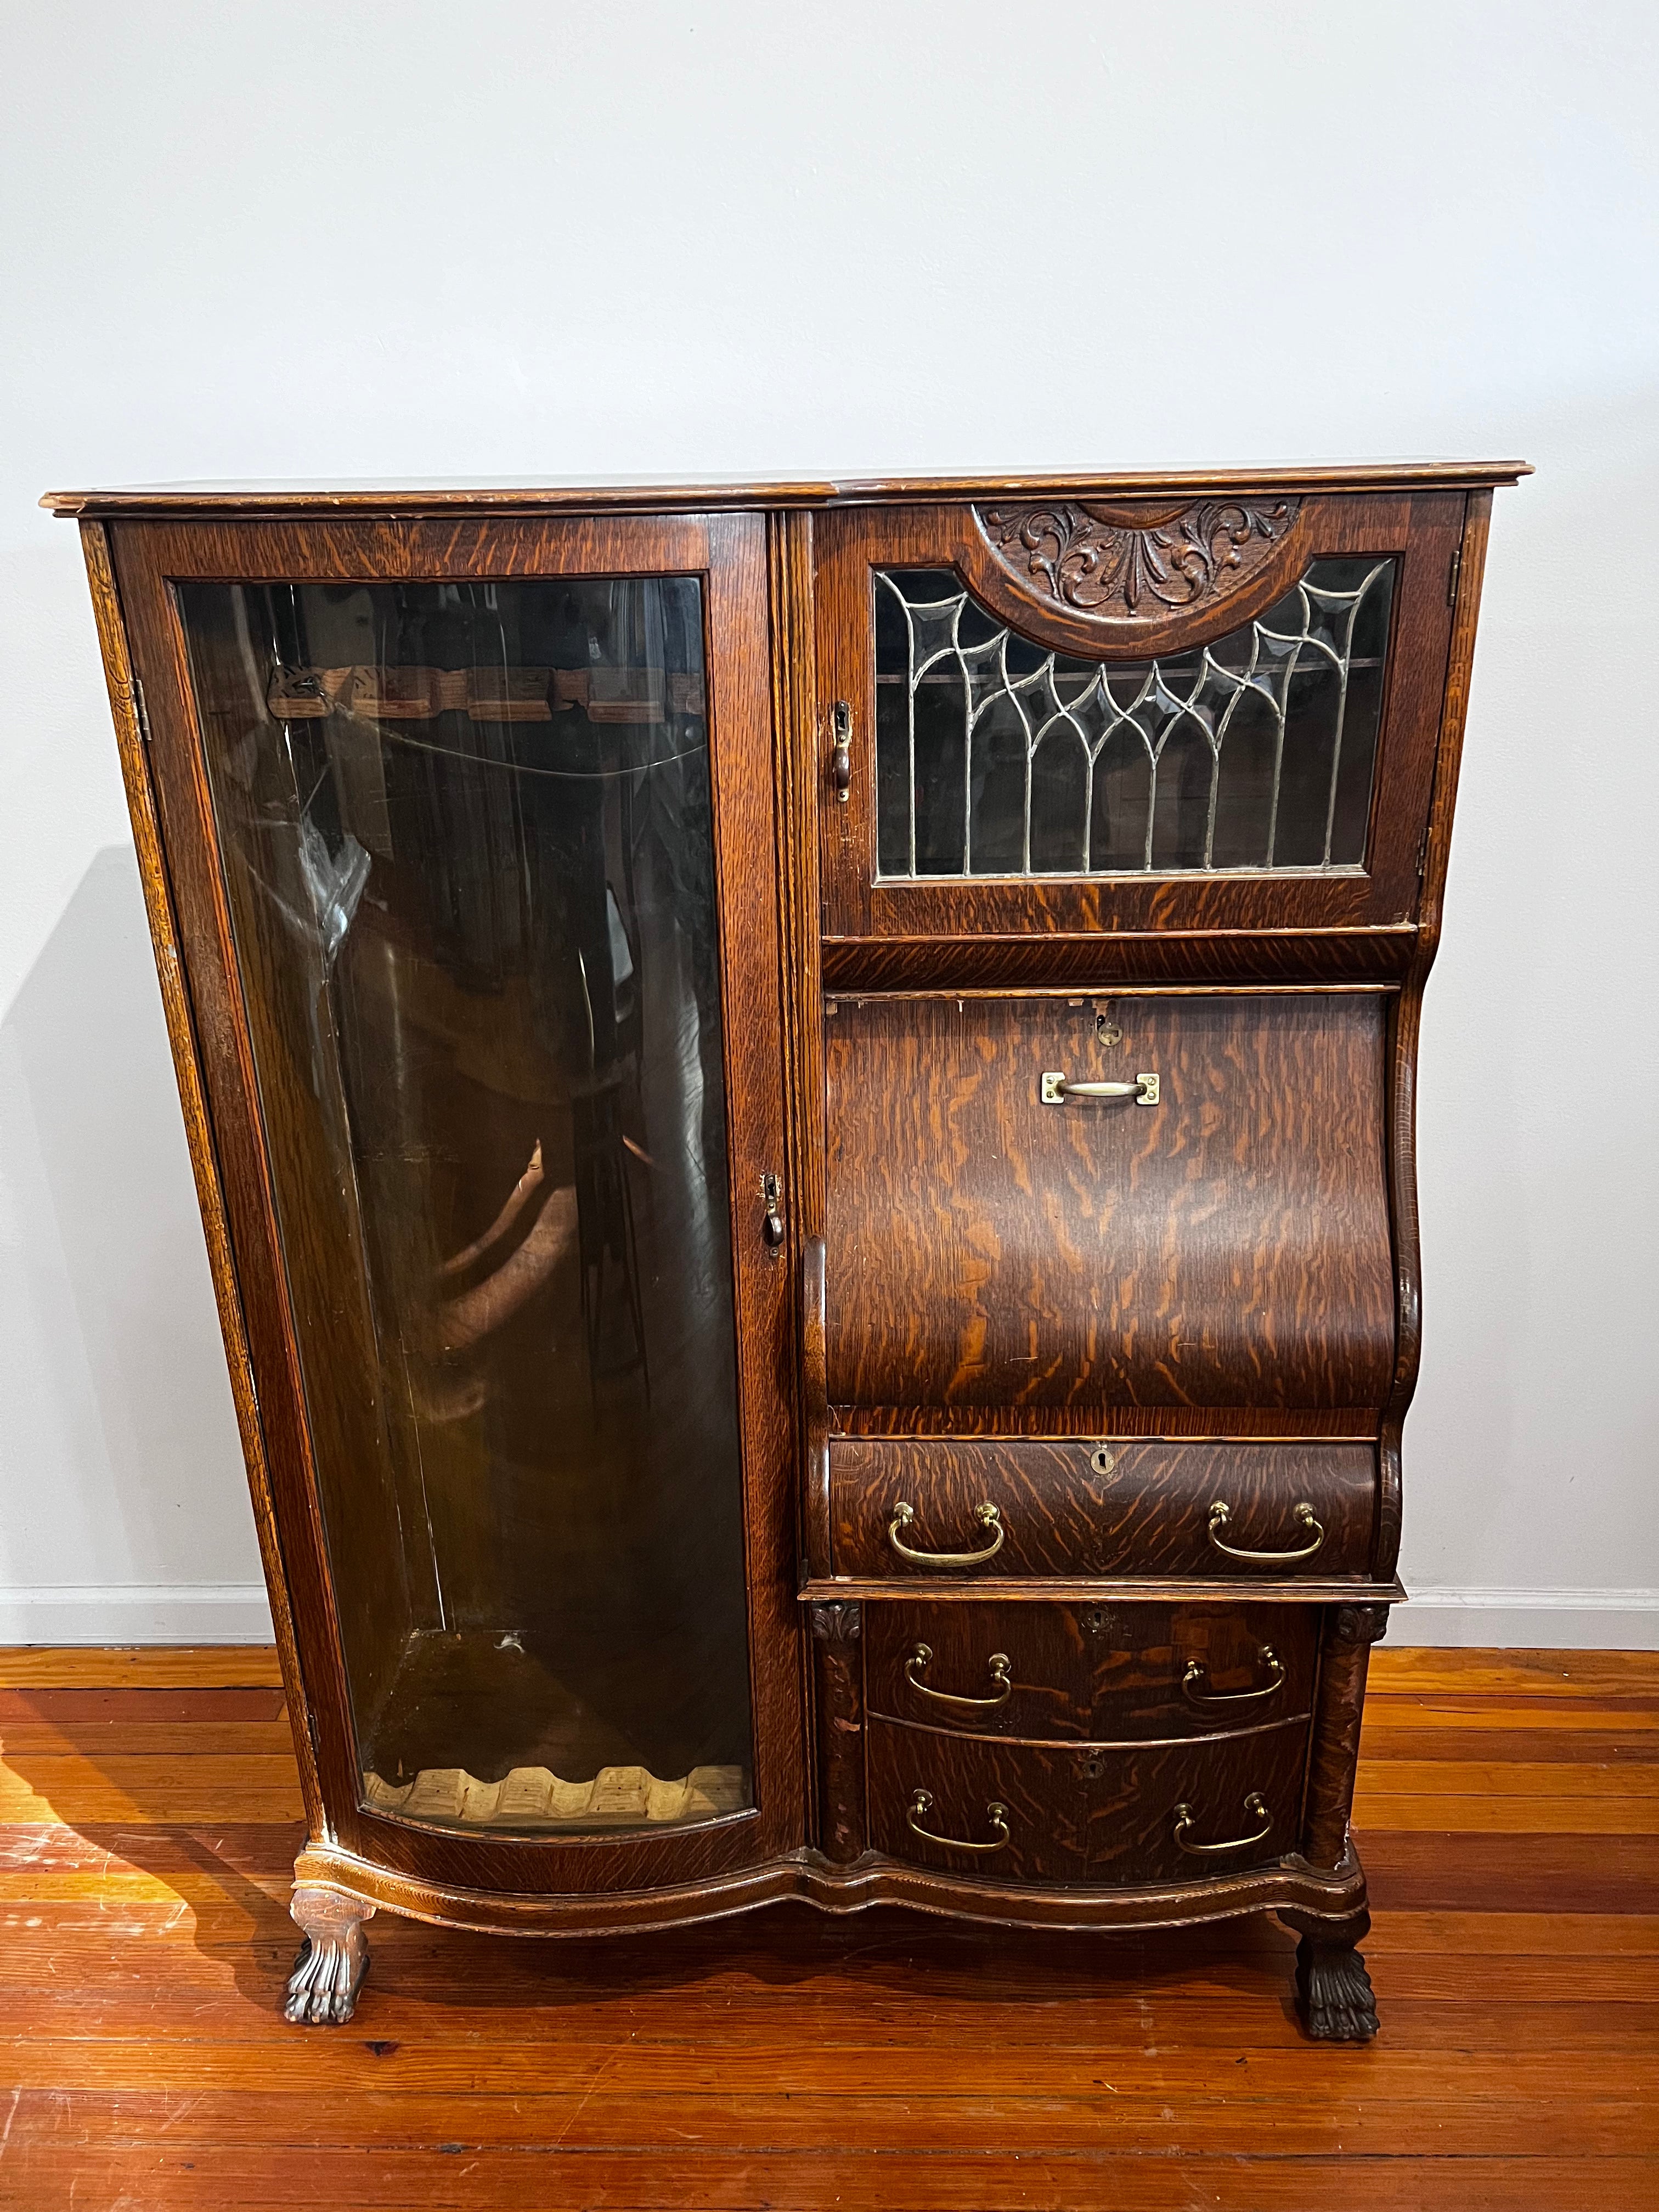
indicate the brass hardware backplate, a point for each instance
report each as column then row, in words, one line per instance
column 840, row 761
column 1053, row 1089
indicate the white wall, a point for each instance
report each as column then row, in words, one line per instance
column 347, row 239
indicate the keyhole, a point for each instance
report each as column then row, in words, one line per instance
column 1094, row 1621
column 1101, row 1459
column 1093, row 1769
column 1106, row 1030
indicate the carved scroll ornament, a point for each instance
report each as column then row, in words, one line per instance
column 1136, row 564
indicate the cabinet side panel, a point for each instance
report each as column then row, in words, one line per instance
column 192, row 1098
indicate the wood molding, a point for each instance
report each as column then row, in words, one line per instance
column 569, row 494
column 813, row 1879
column 1129, row 577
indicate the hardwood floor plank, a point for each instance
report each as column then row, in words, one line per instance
column 1451, row 1870
column 1614, row 1814
column 1425, row 1671
column 180, row 1707
column 1638, row 1713
column 468, row 2176
column 140, row 1667
column 98, row 1742
column 1621, row 1749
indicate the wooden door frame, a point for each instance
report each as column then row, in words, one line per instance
column 189, row 916
column 1423, row 530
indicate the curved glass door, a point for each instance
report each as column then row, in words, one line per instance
column 467, row 847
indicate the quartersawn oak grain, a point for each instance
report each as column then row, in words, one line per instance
column 1146, row 1515
column 1228, row 1246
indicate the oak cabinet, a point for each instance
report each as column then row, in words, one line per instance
column 802, row 1099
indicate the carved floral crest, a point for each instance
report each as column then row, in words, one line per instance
column 1128, row 562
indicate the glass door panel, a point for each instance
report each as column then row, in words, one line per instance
column 997, row 757
column 467, row 837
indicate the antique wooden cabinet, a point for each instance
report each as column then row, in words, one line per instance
column 802, row 1097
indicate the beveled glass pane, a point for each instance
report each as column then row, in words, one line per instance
column 1256, row 752
column 467, row 848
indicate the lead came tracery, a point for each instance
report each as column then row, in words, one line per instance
column 1252, row 753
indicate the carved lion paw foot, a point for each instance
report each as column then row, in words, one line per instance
column 322, row 1991
column 1335, row 1992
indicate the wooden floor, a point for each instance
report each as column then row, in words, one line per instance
column 1509, row 1817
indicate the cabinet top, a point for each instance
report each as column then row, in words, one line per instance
column 575, row 494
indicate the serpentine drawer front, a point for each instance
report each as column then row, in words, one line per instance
column 998, row 1811
column 1097, row 1674
column 970, row 1506
column 997, row 1234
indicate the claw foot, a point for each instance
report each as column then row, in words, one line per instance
column 322, row 1991
column 1335, row 1992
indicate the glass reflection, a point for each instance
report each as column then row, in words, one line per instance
column 467, row 846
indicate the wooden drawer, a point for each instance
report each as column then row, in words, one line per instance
column 1084, row 1813
column 1227, row 1245
column 1089, row 1673
column 1063, row 1511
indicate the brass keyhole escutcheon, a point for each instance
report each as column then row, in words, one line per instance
column 1103, row 1459
column 1106, row 1029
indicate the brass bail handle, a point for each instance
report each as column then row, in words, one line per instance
column 1254, row 1805
column 904, row 1517
column 1053, row 1089
column 921, row 1804
column 1000, row 1667
column 1220, row 1516
column 1197, row 1674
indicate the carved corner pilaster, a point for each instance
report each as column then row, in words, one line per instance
column 1350, row 1631
column 837, row 1621
column 322, row 1991
column 838, row 1671
column 1359, row 1624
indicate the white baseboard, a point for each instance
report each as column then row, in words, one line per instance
column 1530, row 1619
column 136, row 1612
column 239, row 1613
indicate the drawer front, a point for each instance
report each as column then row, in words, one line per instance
column 1227, row 1245
column 1305, row 1510
column 1044, row 1690
column 1041, row 1836
column 1089, row 1673
column 1042, row 1813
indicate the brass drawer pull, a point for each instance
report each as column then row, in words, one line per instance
column 999, row 1664
column 987, row 1515
column 1054, row 1090
column 1197, row 1673
column 1254, row 1805
column 922, row 1803
column 1303, row 1516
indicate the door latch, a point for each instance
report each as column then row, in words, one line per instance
column 772, row 1226
column 840, row 761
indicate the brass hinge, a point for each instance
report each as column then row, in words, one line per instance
column 143, row 711
column 1451, row 582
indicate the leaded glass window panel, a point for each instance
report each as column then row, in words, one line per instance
column 994, row 757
